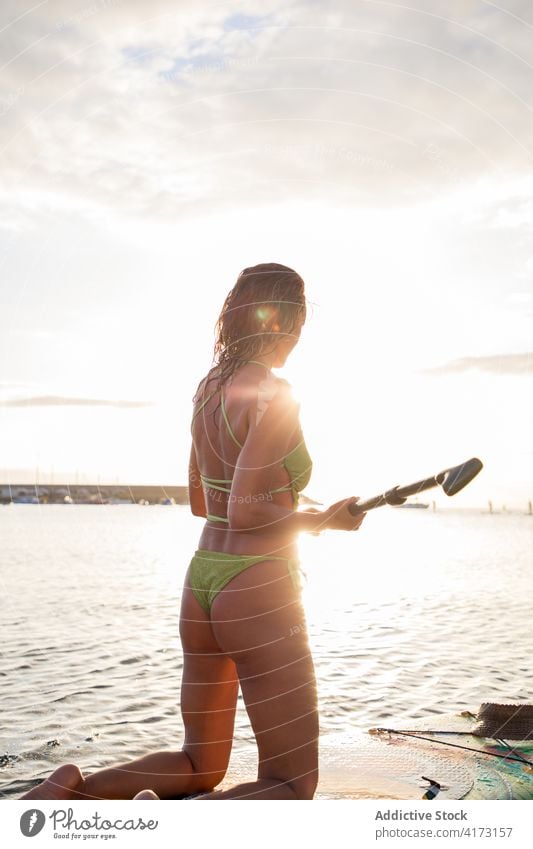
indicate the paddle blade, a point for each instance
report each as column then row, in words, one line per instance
column 454, row 480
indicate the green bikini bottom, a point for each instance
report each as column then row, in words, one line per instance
column 210, row 571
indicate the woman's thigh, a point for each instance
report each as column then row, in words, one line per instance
column 260, row 624
column 208, row 694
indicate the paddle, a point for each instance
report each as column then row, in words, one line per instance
column 451, row 480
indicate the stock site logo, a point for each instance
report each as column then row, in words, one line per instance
column 32, row 822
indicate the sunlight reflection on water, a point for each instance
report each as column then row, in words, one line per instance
column 415, row 612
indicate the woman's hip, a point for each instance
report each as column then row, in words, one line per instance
column 238, row 578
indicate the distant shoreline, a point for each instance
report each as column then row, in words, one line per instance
column 98, row 494
column 92, row 494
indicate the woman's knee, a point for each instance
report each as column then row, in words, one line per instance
column 305, row 786
column 206, row 775
column 205, row 782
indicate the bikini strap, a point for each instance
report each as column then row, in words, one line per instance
column 202, row 405
column 208, row 482
column 257, row 363
column 212, row 518
column 223, row 408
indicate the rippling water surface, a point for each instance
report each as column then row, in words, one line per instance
column 418, row 612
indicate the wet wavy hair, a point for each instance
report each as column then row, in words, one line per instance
column 266, row 303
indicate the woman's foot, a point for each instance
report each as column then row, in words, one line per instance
column 60, row 785
column 146, row 794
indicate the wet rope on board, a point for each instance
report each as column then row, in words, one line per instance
column 492, row 719
column 413, row 734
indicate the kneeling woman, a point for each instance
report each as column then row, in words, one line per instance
column 241, row 599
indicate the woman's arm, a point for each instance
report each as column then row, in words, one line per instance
column 270, row 432
column 196, row 491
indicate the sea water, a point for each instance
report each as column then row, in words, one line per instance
column 417, row 612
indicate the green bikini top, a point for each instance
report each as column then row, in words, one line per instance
column 297, row 462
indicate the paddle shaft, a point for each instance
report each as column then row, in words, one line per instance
column 452, row 481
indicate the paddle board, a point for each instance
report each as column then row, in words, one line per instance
column 370, row 765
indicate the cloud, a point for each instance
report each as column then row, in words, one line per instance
column 162, row 109
column 7, row 384
column 497, row 364
column 58, row 401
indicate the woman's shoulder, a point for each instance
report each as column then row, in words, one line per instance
column 274, row 386
column 272, row 397
column 284, row 388
column 205, row 386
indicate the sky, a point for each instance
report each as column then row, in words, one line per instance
column 151, row 150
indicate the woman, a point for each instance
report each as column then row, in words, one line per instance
column 242, row 620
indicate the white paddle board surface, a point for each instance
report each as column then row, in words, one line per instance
column 363, row 765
